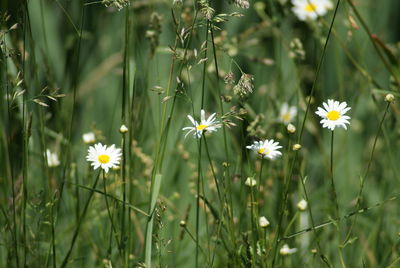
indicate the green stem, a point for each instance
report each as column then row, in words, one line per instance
column 198, row 205
column 367, row 172
column 213, row 171
column 113, row 229
column 333, row 188
column 81, row 218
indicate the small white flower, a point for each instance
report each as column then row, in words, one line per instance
column 52, row 159
column 310, row 9
column 102, row 156
column 266, row 149
column 210, row 125
column 334, row 114
column 89, row 138
column 302, row 205
column 285, row 250
column 251, row 182
column 263, row 222
column 287, row 113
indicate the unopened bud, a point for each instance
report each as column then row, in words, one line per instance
column 251, row 182
column 302, row 205
column 263, row 222
column 182, row 223
column 123, row 129
column 389, row 97
column 291, row 128
column 296, row 147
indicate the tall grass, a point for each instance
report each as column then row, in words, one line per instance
column 73, row 67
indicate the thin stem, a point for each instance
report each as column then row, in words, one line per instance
column 367, row 172
column 81, row 218
column 213, row 171
column 335, row 200
column 321, row 254
column 253, row 226
column 109, row 213
column 198, row 205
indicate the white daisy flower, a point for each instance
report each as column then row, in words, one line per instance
column 52, row 159
column 266, row 149
column 310, row 9
column 285, row 250
column 102, row 156
column 89, row 138
column 334, row 114
column 210, row 125
column 287, row 114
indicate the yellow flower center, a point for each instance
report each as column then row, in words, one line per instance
column 104, row 159
column 286, row 117
column 310, row 7
column 333, row 115
column 263, row 151
column 201, row 127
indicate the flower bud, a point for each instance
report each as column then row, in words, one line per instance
column 389, row 97
column 123, row 129
column 89, row 138
column 302, row 205
column 291, row 128
column 263, row 222
column 296, row 147
column 251, row 182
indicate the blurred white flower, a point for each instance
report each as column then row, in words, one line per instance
column 285, row 250
column 210, row 125
column 287, row 113
column 302, row 205
column 102, row 156
column 263, row 222
column 310, row 9
column 251, row 182
column 89, row 138
column 266, row 149
column 52, row 159
column 334, row 114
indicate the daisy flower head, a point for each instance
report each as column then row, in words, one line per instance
column 206, row 125
column 104, row 156
column 287, row 113
column 266, row 149
column 310, row 9
column 333, row 114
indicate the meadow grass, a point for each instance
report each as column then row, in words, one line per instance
column 130, row 73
